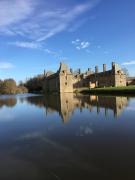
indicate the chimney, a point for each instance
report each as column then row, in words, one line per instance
column 113, row 65
column 96, row 69
column 79, row 71
column 44, row 72
column 89, row 69
column 104, row 67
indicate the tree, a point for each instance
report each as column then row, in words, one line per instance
column 35, row 84
column 8, row 86
column 21, row 89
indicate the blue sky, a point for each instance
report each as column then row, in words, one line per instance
column 37, row 35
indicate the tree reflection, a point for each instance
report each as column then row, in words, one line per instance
column 9, row 102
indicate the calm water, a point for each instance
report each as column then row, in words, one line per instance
column 67, row 137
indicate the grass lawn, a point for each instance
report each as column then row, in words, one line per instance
column 111, row 90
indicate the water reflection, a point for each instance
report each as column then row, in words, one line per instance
column 8, row 102
column 67, row 103
column 35, row 147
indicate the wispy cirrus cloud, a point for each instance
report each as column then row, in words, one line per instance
column 14, row 11
column 20, row 18
column 34, row 45
column 80, row 44
column 25, row 44
column 6, row 65
column 128, row 63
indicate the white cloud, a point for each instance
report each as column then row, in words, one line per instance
column 76, row 42
column 24, row 44
column 77, row 25
column 14, row 11
column 35, row 45
column 6, row 65
column 20, row 18
column 84, row 45
column 60, row 20
column 54, row 54
column 128, row 63
column 80, row 44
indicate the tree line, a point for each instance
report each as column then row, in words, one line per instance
column 9, row 86
column 35, row 84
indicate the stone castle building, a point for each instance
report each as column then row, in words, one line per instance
column 64, row 80
column 61, row 81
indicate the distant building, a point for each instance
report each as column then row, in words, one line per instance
column 65, row 80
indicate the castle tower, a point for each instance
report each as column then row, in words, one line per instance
column 96, row 69
column 65, row 79
column 119, row 77
column 104, row 67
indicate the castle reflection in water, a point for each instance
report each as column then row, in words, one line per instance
column 66, row 103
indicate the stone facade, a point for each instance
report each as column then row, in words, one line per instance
column 111, row 78
column 61, row 81
column 64, row 80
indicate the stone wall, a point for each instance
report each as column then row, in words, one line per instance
column 62, row 81
column 66, row 82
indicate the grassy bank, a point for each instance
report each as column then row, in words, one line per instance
column 111, row 90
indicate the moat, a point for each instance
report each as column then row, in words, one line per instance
column 66, row 137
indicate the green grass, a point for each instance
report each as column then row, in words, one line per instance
column 111, row 90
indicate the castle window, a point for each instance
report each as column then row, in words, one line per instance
column 66, row 83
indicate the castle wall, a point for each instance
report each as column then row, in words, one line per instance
column 62, row 81
column 120, row 80
column 120, row 77
column 112, row 78
column 80, row 82
column 104, row 79
column 66, row 82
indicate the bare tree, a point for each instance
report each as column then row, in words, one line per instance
column 125, row 70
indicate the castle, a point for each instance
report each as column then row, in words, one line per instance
column 64, row 80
